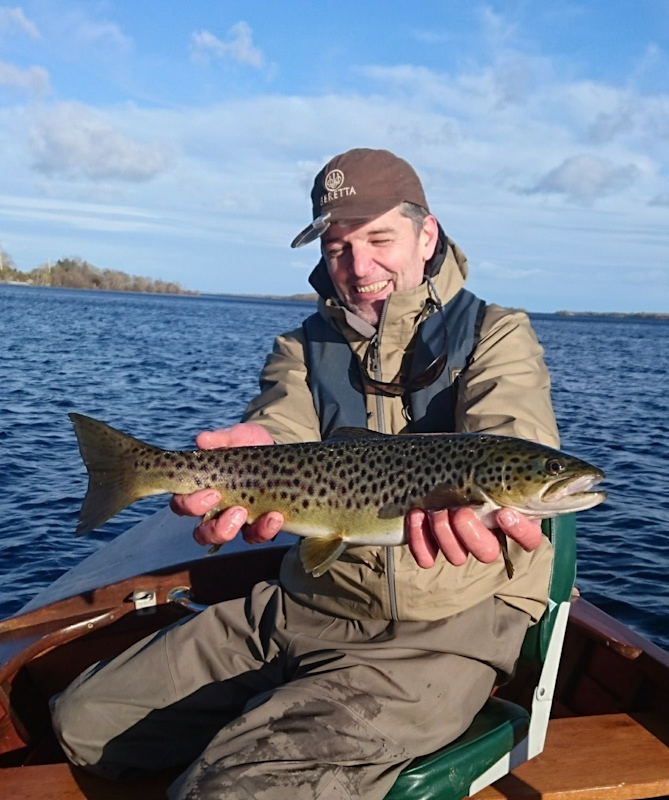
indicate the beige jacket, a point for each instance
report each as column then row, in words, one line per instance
column 505, row 390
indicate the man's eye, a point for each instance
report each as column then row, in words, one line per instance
column 334, row 253
column 381, row 241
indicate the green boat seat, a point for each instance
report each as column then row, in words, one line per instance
column 503, row 735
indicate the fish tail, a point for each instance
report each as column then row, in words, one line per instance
column 114, row 479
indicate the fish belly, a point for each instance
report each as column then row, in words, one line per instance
column 387, row 534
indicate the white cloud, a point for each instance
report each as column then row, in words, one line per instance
column 586, row 178
column 660, row 200
column 34, row 80
column 102, row 34
column 70, row 141
column 13, row 19
column 239, row 46
column 499, row 272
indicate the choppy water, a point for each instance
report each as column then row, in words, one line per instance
column 164, row 368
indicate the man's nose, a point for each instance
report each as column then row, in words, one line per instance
column 361, row 262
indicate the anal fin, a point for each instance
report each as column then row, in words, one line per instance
column 318, row 553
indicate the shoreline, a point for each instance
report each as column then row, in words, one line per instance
column 313, row 298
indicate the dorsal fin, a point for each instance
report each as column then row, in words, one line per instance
column 353, row 433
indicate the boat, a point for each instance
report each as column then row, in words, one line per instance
column 607, row 736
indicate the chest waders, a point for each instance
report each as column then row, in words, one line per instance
column 337, row 389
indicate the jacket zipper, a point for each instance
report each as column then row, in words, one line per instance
column 376, row 366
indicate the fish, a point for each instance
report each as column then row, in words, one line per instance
column 354, row 488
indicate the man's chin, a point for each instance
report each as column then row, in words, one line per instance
column 370, row 312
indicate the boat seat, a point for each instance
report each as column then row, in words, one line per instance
column 585, row 758
column 503, row 735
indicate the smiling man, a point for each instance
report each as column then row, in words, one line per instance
column 326, row 687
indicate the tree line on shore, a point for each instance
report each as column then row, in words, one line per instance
column 76, row 273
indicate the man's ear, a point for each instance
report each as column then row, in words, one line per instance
column 429, row 237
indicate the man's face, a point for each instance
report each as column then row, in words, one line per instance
column 369, row 261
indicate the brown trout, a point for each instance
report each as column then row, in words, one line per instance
column 355, row 488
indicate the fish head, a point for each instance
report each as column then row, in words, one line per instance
column 536, row 480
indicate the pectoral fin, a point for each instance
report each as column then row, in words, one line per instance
column 503, row 544
column 319, row 553
column 443, row 495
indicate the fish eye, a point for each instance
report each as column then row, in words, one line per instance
column 554, row 466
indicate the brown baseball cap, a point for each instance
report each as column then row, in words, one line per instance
column 357, row 186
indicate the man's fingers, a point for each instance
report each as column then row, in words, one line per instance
column 196, row 504
column 473, row 535
column 520, row 528
column 264, row 528
column 243, row 434
column 446, row 538
column 208, row 440
column 223, row 528
column 421, row 542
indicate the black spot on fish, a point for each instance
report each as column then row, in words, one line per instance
column 322, row 491
column 305, row 503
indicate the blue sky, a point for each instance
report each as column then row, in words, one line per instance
column 179, row 141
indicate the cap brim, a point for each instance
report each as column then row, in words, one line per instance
column 309, row 234
column 316, row 229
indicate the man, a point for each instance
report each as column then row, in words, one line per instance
column 326, row 687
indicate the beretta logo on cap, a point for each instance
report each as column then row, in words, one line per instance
column 334, row 183
column 333, row 180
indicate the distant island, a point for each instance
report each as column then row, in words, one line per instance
column 312, row 297
column 75, row 273
column 616, row 314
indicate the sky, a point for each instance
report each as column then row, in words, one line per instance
column 180, row 140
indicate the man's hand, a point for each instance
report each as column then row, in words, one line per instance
column 226, row 526
column 457, row 532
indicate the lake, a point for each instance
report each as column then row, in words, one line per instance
column 166, row 367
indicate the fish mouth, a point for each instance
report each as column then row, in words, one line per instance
column 573, row 493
